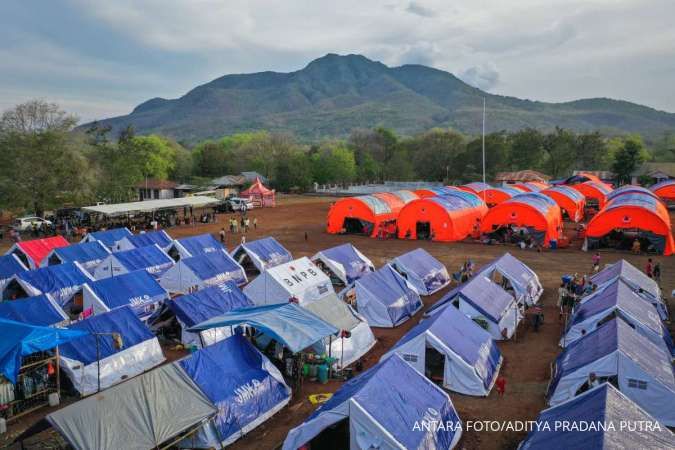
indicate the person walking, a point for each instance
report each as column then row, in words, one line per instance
column 222, row 235
column 649, row 268
column 500, row 384
column 596, row 262
column 255, row 223
column 657, row 272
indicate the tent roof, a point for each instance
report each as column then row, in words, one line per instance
column 419, row 262
column 662, row 184
column 123, row 290
column 347, row 256
column 630, row 189
column 477, row 186
column 269, row 250
column 210, row 265
column 256, row 188
column 377, row 205
column 386, row 284
column 52, row 278
column 205, row 304
column 160, row 238
column 120, row 320
column 143, row 257
column 82, row 252
column 109, row 237
column 121, row 209
column 21, row 339
column 39, row 310
column 601, row 405
column 334, row 311
column 487, row 297
column 37, row 249
column 512, row 267
column 566, row 191
column 405, row 195
column 201, row 243
column 639, row 200
column 140, row 413
column 288, row 323
column 522, row 175
column 10, row 265
column 631, row 274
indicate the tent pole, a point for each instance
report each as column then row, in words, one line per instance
column 98, row 365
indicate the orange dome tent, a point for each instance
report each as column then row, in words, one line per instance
column 594, row 191
column 475, row 187
column 496, row 195
column 437, row 191
column 531, row 186
column 636, row 211
column 570, row 200
column 537, row 212
column 630, row 189
column 665, row 190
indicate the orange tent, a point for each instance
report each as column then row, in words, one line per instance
column 531, row 186
column 636, row 211
column 593, row 190
column 570, row 200
column 475, row 187
column 447, row 218
column 496, row 195
column 665, row 190
column 433, row 192
column 259, row 195
column 533, row 210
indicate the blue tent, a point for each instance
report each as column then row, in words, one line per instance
column 137, row 289
column 385, row 407
column 151, row 258
column 195, row 245
column 21, row 339
column 159, row 238
column 245, row 387
column 193, row 309
column 516, row 277
column 426, row 274
column 385, row 298
column 10, row 265
column 62, row 282
column 87, row 254
column 597, row 408
column 345, row 263
column 39, row 310
column 109, row 238
column 141, row 351
column 287, row 323
column 262, row 254
column 472, row 358
column 202, row 270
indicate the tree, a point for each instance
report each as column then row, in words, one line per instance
column 592, row 152
column 628, row 158
column 211, row 159
column 435, row 152
column 335, row 163
column 497, row 150
column 527, row 149
column 293, row 171
column 560, row 148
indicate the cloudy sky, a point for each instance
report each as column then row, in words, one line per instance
column 101, row 58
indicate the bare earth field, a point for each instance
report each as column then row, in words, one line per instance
column 527, row 358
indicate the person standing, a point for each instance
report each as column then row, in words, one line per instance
column 255, row 223
column 596, row 262
column 222, row 236
column 649, row 269
column 657, row 272
column 500, row 384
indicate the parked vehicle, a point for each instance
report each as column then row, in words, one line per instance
column 26, row 223
column 238, row 204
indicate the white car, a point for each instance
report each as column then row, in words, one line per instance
column 26, row 223
column 237, row 204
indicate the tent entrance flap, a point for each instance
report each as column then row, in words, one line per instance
column 423, row 230
column 14, row 290
column 434, row 365
column 353, row 225
column 334, row 437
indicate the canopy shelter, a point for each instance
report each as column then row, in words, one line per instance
column 152, row 206
column 142, row 413
column 10, row 265
column 445, row 218
column 594, row 192
column 300, row 281
column 630, row 189
column 21, row 339
column 244, row 385
column 514, row 277
column 536, row 212
column 598, row 408
column 531, row 186
column 471, row 358
column 424, row 272
column 356, row 337
column 109, row 238
column 261, row 196
column 87, row 254
column 385, row 298
column 259, row 255
column 616, row 299
column 343, row 264
column 39, row 310
column 152, row 259
column 32, row 253
column 638, row 281
column 201, row 271
column 665, row 190
column 486, row 303
column 194, row 245
column 521, row 176
column 287, row 323
column 161, row 238
column 476, row 187
column 137, row 289
column 570, row 201
column 205, row 304
column 379, row 409
column 631, row 212
column 61, row 282
column 95, row 356
column 616, row 352
column 496, row 195
column 366, row 214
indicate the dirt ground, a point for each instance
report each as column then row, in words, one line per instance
column 298, row 223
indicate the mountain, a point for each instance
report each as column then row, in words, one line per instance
column 334, row 94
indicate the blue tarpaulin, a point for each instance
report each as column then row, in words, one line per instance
column 20, row 339
column 427, row 274
column 205, row 304
column 161, row 238
column 346, row 262
column 108, row 237
column 39, row 310
column 197, row 245
column 61, row 281
column 10, row 265
column 287, row 323
column 151, row 258
column 265, row 253
column 522, row 279
column 88, row 254
column 212, row 265
column 241, row 382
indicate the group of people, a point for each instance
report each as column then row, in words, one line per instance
column 572, row 289
column 242, row 224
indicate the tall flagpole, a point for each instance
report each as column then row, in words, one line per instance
column 483, row 147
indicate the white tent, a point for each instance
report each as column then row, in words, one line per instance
column 152, row 259
column 426, row 274
column 344, row 264
column 191, row 274
column 514, row 276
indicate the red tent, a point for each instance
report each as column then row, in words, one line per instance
column 259, row 195
column 33, row 252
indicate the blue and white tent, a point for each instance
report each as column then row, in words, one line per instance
column 384, row 408
column 483, row 300
column 10, row 265
column 601, row 411
column 472, row 358
column 141, row 351
column 426, row 274
column 152, row 259
column 640, row 368
column 636, row 279
column 61, row 282
column 194, row 245
column 244, row 385
column 109, row 238
column 616, row 299
column 385, row 298
column 514, row 276
column 344, row 264
column 39, row 310
column 260, row 255
column 193, row 309
column 203, row 270
column 160, row 238
column 87, row 254
column 137, row 289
